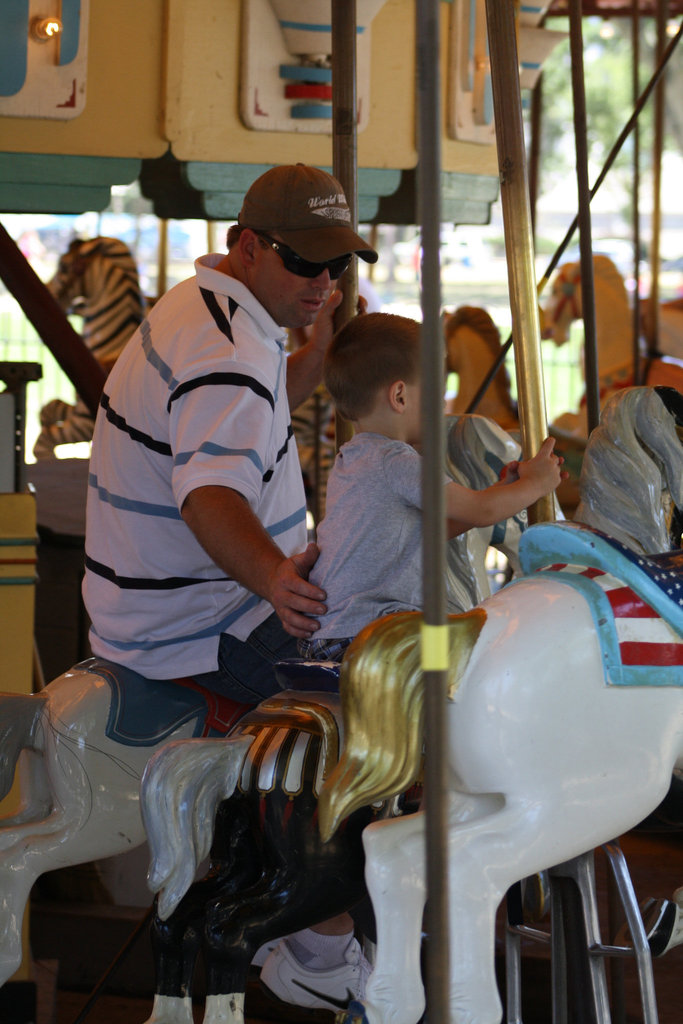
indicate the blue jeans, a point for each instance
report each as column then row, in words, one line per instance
column 245, row 667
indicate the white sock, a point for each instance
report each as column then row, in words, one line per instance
column 318, row 952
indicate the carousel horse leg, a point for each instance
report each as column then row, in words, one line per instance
column 395, row 876
column 177, row 940
column 481, row 832
column 176, row 943
column 283, row 902
column 302, row 881
column 68, row 835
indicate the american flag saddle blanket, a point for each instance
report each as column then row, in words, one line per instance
column 636, row 601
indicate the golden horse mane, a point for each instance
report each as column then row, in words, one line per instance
column 382, row 708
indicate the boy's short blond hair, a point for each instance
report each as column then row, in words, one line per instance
column 370, row 352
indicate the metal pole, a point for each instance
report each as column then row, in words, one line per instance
column 345, row 152
column 507, row 108
column 49, row 320
column 435, row 631
column 535, row 146
column 585, row 243
column 658, row 146
column 635, row 57
column 162, row 259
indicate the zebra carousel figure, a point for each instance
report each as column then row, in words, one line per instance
column 97, row 279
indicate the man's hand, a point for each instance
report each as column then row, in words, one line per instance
column 230, row 533
column 305, row 366
column 294, row 599
column 322, row 329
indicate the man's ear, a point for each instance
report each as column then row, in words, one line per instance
column 397, row 396
column 248, row 243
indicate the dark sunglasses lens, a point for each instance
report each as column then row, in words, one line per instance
column 296, row 264
column 338, row 266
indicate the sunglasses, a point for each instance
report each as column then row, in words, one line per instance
column 296, row 264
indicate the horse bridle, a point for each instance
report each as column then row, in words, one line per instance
column 568, row 288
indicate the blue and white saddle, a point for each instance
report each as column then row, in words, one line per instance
column 143, row 711
column 636, row 601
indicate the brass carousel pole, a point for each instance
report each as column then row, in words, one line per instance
column 585, row 241
column 345, row 153
column 514, row 191
column 434, row 629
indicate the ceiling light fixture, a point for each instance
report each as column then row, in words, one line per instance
column 44, row 29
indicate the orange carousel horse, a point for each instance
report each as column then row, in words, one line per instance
column 472, row 346
column 614, row 335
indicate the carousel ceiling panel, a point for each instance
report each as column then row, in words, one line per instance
column 616, row 8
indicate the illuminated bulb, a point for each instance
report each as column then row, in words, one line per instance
column 44, row 29
column 606, row 30
column 671, row 28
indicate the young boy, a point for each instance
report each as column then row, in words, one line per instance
column 370, row 561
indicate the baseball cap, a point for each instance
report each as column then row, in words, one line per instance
column 308, row 209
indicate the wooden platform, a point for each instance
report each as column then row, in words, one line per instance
column 655, row 863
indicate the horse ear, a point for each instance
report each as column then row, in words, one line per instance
column 673, row 401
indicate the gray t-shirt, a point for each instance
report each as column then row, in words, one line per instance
column 370, row 560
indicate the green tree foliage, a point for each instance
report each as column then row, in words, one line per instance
column 610, row 99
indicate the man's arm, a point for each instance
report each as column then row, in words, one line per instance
column 230, row 533
column 305, row 366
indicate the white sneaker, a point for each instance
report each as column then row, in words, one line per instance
column 331, row 989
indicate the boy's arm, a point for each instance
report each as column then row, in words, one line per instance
column 538, row 476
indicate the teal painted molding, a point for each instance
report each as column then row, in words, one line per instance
column 55, row 183
column 41, row 168
column 465, row 199
column 215, row 191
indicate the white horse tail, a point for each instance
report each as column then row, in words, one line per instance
column 181, row 788
column 20, row 717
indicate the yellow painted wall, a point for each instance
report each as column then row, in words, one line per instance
column 202, row 95
column 167, row 71
column 122, row 116
column 17, row 561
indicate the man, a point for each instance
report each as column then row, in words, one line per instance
column 196, row 556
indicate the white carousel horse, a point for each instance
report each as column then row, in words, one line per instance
column 565, row 723
column 472, row 346
column 614, row 334
column 174, row 793
column 86, row 738
column 633, row 443
column 96, row 278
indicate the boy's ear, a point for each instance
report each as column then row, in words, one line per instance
column 397, row 396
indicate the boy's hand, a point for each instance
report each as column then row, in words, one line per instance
column 544, row 467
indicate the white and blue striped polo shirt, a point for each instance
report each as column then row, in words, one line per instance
column 198, row 397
